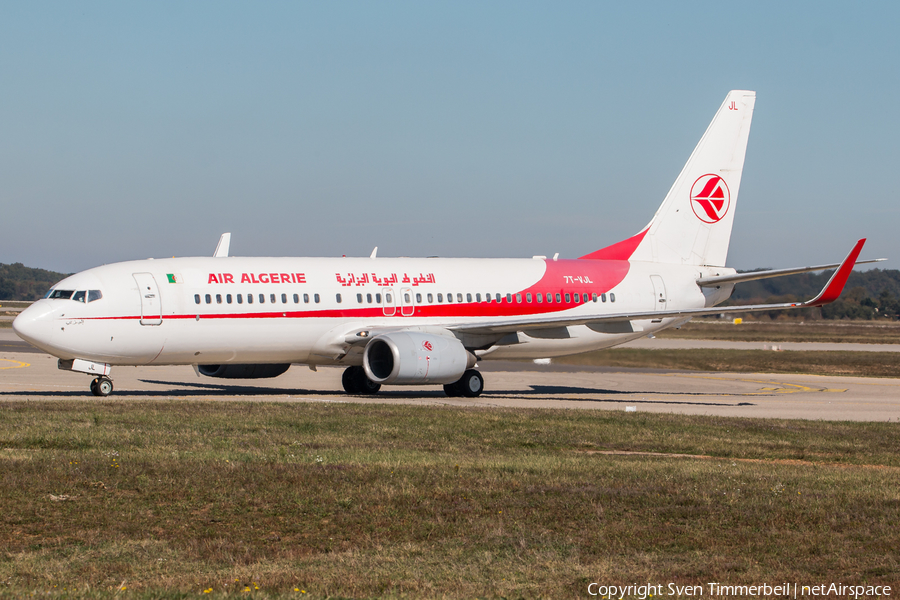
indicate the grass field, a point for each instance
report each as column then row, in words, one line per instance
column 172, row 499
column 862, row 364
column 857, row 332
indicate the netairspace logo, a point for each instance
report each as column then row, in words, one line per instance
column 720, row 590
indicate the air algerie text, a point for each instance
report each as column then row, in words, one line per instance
column 258, row 278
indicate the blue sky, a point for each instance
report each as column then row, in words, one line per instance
column 134, row 130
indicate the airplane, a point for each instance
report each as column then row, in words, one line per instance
column 415, row 321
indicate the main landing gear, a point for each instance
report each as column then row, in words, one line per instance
column 355, row 381
column 470, row 385
column 101, row 386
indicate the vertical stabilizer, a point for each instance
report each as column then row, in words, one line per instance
column 693, row 224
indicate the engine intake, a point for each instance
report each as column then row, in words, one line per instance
column 243, row 371
column 411, row 357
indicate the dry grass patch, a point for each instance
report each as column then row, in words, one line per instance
column 859, row 364
column 174, row 498
column 857, row 332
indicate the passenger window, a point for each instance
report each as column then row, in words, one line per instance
column 369, row 298
column 262, row 298
column 249, row 298
column 509, row 298
column 240, row 299
column 440, row 298
column 430, row 299
column 518, row 298
column 459, row 297
column 584, row 297
column 558, row 298
column 359, row 298
column 468, row 297
column 477, row 297
column 612, row 297
column 208, row 299
column 487, row 298
column 78, row 296
column 296, row 299
column 228, row 298
column 602, row 297
column 540, row 298
column 568, row 298
column 196, row 298
column 316, row 298
column 418, row 298
column 305, row 298
column 594, row 297
column 387, row 298
column 284, row 298
column 377, row 298
column 406, row 299
column 549, row 297
column 528, row 298
column 577, row 298
column 449, row 297
column 338, row 298
column 218, row 298
column 94, row 295
column 272, row 298
column 497, row 297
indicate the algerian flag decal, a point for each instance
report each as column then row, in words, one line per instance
column 174, row 278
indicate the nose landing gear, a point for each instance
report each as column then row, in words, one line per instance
column 102, row 386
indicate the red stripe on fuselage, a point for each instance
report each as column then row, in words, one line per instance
column 560, row 277
column 618, row 251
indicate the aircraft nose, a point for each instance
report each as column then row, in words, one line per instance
column 35, row 324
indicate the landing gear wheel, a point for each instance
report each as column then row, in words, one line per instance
column 102, row 386
column 347, row 380
column 471, row 384
column 355, row 381
column 452, row 390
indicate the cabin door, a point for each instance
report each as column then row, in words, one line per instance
column 151, row 310
column 659, row 292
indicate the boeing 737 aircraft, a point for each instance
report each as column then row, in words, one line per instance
column 407, row 321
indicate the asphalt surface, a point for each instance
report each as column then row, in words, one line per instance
column 29, row 374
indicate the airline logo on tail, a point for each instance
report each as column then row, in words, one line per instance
column 710, row 198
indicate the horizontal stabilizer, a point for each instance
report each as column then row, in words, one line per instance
column 829, row 293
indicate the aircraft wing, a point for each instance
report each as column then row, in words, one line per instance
column 829, row 293
column 754, row 275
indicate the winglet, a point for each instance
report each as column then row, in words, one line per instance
column 836, row 284
column 222, row 248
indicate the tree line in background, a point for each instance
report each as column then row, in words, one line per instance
column 18, row 282
column 868, row 295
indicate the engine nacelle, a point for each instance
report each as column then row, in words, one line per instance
column 411, row 357
column 243, row 371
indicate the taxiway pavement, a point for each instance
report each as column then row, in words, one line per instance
column 29, row 374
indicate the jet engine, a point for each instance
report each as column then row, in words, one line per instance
column 412, row 357
column 243, row 371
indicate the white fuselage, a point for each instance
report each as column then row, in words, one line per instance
column 301, row 310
